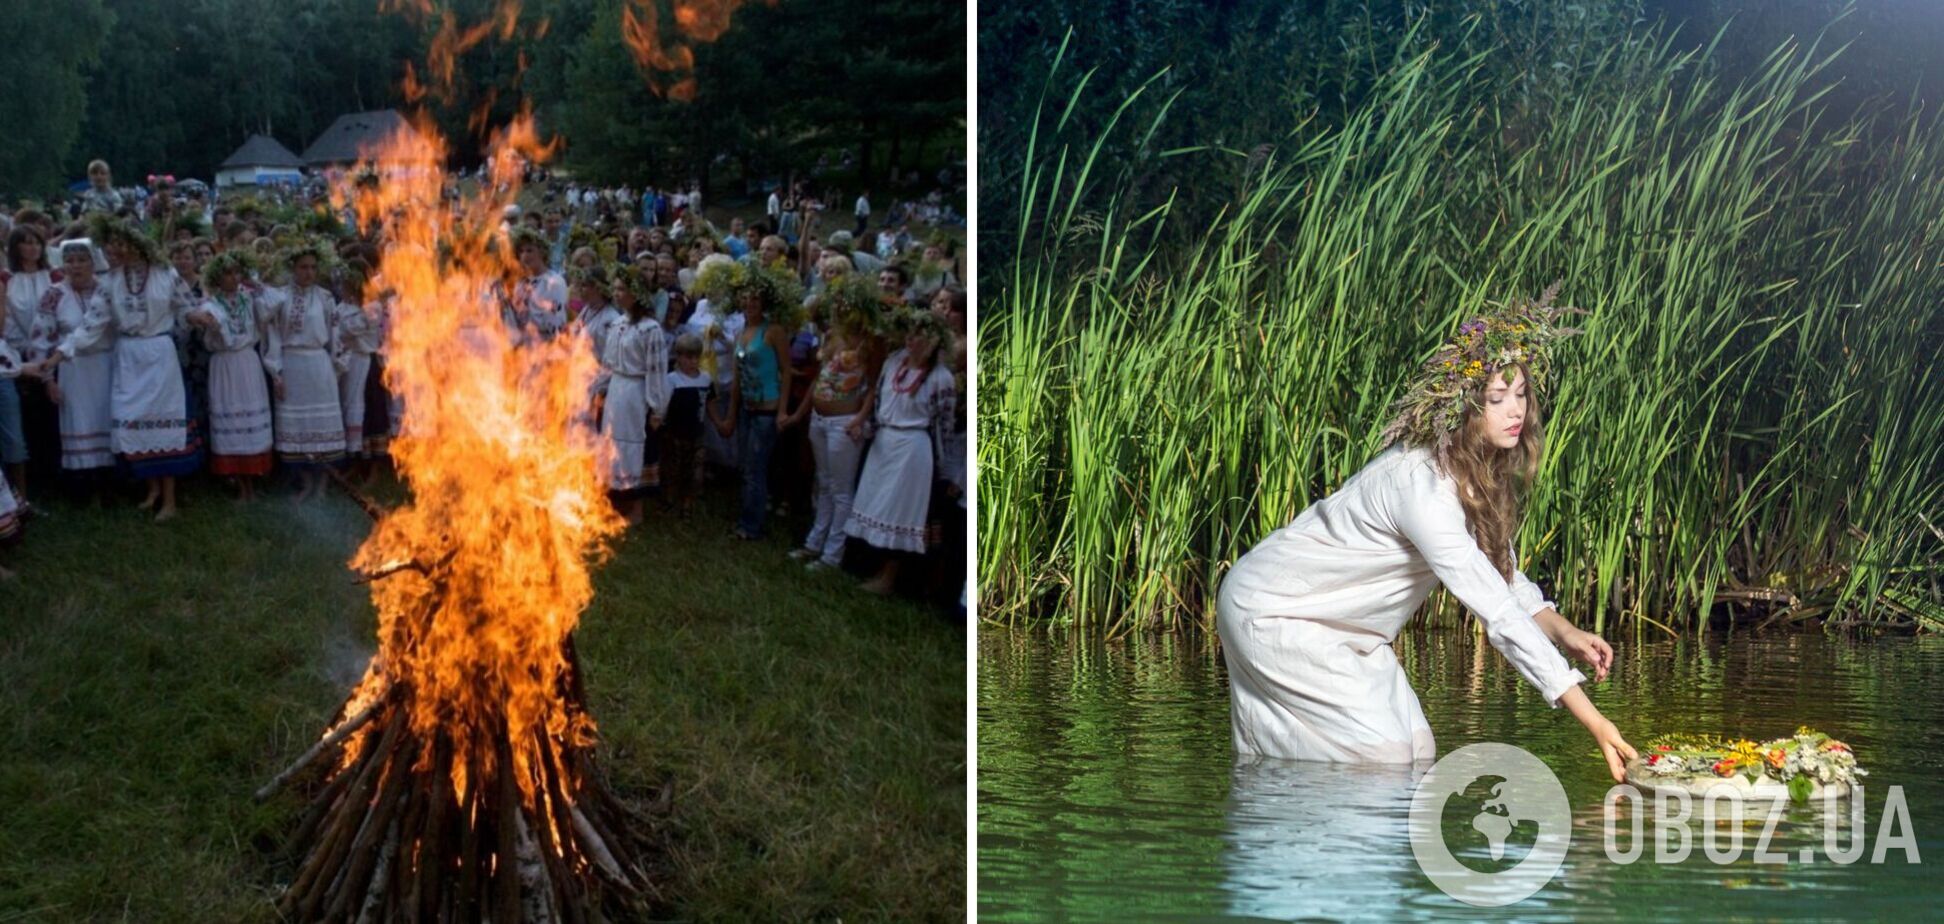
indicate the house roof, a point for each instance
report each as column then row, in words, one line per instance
column 262, row 151
column 353, row 133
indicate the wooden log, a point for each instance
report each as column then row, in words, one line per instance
column 358, row 808
column 320, row 808
column 359, row 867
column 337, row 735
column 464, row 908
column 506, row 865
column 374, row 899
column 344, row 815
column 535, row 882
column 432, row 868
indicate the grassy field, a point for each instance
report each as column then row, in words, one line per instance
column 154, row 676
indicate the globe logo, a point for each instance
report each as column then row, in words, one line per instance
column 1523, row 795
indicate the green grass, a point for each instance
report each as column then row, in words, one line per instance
column 155, row 676
column 1758, row 402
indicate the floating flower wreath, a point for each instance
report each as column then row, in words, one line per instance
column 1798, row 761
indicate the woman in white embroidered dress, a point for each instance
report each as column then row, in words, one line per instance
column 634, row 360
column 79, row 364
column 300, row 351
column 913, row 409
column 360, row 335
column 29, row 277
column 146, row 301
column 239, row 402
column 1307, row 616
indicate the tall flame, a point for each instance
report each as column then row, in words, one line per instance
column 506, row 514
column 696, row 21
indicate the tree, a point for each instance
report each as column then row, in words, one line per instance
column 48, row 51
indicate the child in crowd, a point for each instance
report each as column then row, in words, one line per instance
column 691, row 397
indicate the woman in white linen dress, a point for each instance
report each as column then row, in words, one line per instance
column 144, row 301
column 239, row 401
column 634, row 360
column 913, row 410
column 1307, row 616
column 80, row 378
column 300, row 349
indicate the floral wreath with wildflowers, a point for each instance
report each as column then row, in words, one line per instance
column 724, row 281
column 1797, row 761
column 853, row 302
column 1520, row 332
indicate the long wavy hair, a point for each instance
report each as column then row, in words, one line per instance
column 1492, row 482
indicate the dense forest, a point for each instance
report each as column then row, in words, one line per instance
column 176, row 85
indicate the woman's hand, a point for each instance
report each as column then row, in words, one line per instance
column 1589, row 648
column 1615, row 748
column 54, row 392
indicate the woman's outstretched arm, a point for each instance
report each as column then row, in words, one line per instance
column 1615, row 748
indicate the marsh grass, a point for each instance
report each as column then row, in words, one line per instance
column 154, row 676
column 1755, row 414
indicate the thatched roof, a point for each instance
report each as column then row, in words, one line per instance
column 352, row 134
column 262, row 151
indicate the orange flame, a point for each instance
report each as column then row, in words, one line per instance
column 507, row 514
column 696, row 21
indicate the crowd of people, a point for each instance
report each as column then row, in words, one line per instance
column 168, row 335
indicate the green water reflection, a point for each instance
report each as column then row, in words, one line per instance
column 1108, row 791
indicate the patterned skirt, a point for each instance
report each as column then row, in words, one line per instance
column 153, row 428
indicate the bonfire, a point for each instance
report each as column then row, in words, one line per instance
column 459, row 780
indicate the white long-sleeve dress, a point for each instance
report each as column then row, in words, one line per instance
column 361, row 334
column 239, row 399
column 914, row 412
column 148, row 399
column 86, row 374
column 635, row 362
column 300, row 344
column 1307, row 617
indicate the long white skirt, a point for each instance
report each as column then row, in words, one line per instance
column 310, row 425
column 149, row 407
column 351, row 397
column 894, row 493
column 239, row 404
column 624, row 428
column 1303, row 689
column 87, row 411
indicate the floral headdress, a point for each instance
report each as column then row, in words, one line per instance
column 228, row 261
column 523, row 236
column 724, row 281
column 853, row 302
column 1521, row 332
column 104, row 229
column 919, row 321
column 641, row 283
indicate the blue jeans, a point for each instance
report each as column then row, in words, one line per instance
column 755, row 437
column 13, row 434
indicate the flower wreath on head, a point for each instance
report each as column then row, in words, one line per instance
column 227, row 261
column 104, row 229
column 724, row 281
column 1520, row 332
column 523, row 236
column 854, row 303
column 642, row 284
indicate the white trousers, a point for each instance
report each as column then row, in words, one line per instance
column 838, row 457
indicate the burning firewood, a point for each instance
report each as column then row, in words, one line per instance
column 458, row 782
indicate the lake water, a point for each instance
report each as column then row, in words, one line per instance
column 1108, row 788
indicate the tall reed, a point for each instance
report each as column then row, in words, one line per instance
column 1755, row 415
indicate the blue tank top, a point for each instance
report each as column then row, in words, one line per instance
column 756, row 372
